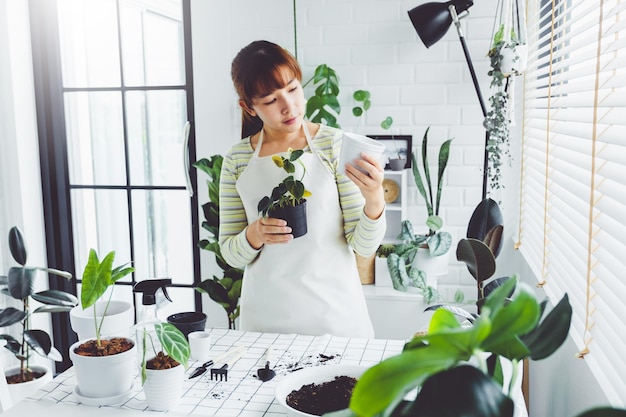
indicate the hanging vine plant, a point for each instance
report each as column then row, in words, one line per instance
column 507, row 59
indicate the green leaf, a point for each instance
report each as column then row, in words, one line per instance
column 477, row 257
column 386, row 124
column 357, row 111
column 439, row 243
column 444, row 154
column 546, row 338
column 173, row 342
column 39, row 341
column 361, row 95
column 17, row 246
column 475, row 395
column 21, row 281
column 386, row 383
column 96, row 278
column 10, row 315
column 56, row 297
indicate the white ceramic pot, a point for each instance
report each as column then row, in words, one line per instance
column 24, row 389
column 163, row 387
column 118, row 321
column 352, row 145
column 104, row 376
column 433, row 266
column 514, row 60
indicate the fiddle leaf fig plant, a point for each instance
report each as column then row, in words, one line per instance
column 19, row 284
column 98, row 276
column 290, row 191
column 225, row 290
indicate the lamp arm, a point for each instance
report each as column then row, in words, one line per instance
column 457, row 23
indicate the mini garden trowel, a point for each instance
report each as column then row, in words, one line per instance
column 265, row 374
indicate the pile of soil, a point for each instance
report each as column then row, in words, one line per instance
column 107, row 347
column 28, row 376
column 319, row 399
column 161, row 361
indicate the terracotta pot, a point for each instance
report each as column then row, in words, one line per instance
column 163, row 387
column 295, row 217
column 24, row 389
column 104, row 376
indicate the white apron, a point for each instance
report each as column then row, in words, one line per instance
column 311, row 284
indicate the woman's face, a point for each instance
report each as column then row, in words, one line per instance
column 283, row 109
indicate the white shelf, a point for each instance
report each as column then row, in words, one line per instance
column 396, row 211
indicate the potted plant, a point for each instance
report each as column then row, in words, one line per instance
column 19, row 284
column 104, row 366
column 410, row 260
column 162, row 375
column 225, row 290
column 288, row 198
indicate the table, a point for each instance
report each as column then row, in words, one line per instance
column 243, row 394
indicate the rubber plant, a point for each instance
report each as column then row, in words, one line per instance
column 224, row 290
column 465, row 362
column 19, row 284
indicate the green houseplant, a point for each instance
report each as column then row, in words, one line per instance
column 225, row 290
column 323, row 106
column 401, row 262
column 288, row 198
column 104, row 367
column 162, row 375
column 19, row 285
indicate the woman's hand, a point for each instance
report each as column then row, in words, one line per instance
column 370, row 184
column 268, row 231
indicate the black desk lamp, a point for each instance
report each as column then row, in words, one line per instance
column 432, row 21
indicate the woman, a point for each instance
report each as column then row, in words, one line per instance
column 309, row 285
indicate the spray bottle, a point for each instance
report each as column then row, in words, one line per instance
column 145, row 334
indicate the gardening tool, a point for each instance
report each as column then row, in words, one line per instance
column 229, row 358
column 205, row 366
column 265, row 374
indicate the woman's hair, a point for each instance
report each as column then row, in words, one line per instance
column 257, row 70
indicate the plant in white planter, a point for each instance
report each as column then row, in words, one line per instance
column 19, row 285
column 162, row 375
column 104, row 366
column 434, row 244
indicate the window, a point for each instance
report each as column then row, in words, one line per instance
column 114, row 92
column 573, row 205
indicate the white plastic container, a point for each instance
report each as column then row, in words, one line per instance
column 352, row 145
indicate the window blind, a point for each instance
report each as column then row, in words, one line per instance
column 572, row 229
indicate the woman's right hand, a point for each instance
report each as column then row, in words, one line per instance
column 268, row 231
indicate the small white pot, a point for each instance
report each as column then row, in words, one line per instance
column 118, row 321
column 104, row 376
column 24, row 389
column 163, row 387
column 514, row 60
column 433, row 266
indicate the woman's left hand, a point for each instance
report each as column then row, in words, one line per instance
column 370, row 184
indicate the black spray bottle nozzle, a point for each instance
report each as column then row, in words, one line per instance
column 149, row 288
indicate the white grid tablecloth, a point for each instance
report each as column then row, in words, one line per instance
column 243, row 394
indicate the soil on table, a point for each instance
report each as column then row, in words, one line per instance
column 28, row 376
column 318, row 399
column 161, row 361
column 107, row 347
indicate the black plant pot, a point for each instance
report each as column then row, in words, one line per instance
column 187, row 322
column 294, row 216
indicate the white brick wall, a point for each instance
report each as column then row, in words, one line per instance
column 372, row 45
